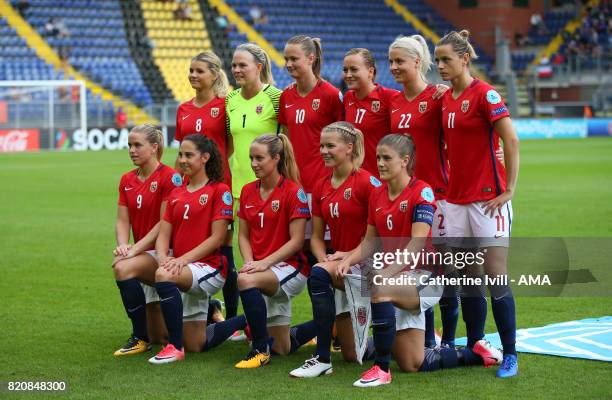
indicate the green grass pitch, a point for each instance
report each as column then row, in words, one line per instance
column 62, row 317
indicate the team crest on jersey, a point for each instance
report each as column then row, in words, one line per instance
column 203, row 199
column 403, row 206
column 214, row 112
column 153, row 187
column 362, row 315
column 275, row 205
column 259, row 109
column 315, row 104
column 422, row 107
column 347, row 193
column 465, row 105
column 375, row 106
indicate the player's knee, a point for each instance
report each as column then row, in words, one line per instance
column 349, row 355
column 121, row 270
column 193, row 346
column 161, row 275
column 245, row 282
column 410, row 365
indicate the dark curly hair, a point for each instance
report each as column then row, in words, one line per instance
column 214, row 166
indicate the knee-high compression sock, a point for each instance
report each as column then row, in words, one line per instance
column 441, row 358
column 502, row 304
column 135, row 304
column 430, row 329
column 383, row 325
column 449, row 312
column 172, row 307
column 256, row 314
column 466, row 357
column 219, row 332
column 230, row 289
column 474, row 310
column 323, row 310
column 301, row 334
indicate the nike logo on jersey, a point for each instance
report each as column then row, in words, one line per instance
column 174, row 201
column 378, row 209
column 442, row 234
column 397, row 109
column 131, row 310
column 127, row 188
column 443, row 108
column 323, row 197
column 166, row 299
column 249, row 206
column 186, row 116
column 288, row 105
column 498, row 236
column 351, row 103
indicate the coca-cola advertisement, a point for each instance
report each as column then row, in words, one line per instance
column 13, row 140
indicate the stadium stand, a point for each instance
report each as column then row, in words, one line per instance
column 27, row 56
column 175, row 40
column 141, row 51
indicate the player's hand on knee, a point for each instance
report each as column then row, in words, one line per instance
column 337, row 256
column 122, row 250
column 255, row 266
column 342, row 269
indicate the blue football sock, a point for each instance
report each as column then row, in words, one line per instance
column 449, row 313
column 301, row 334
column 468, row 357
column 441, row 358
column 230, row 289
column 255, row 310
column 135, row 304
column 474, row 310
column 502, row 304
column 430, row 329
column 383, row 325
column 172, row 307
column 323, row 310
column 219, row 332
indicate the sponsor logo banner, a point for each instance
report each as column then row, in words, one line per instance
column 14, row 140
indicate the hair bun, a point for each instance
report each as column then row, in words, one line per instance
column 464, row 33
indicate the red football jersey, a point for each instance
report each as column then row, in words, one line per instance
column 191, row 216
column 269, row 219
column 209, row 120
column 371, row 116
column 393, row 219
column 305, row 118
column 422, row 119
column 345, row 209
column 477, row 175
column 143, row 199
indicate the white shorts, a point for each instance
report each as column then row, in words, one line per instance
column 291, row 283
column 438, row 229
column 308, row 235
column 150, row 291
column 429, row 296
column 206, row 282
column 467, row 225
column 342, row 303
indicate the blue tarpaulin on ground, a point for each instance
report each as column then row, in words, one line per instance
column 588, row 338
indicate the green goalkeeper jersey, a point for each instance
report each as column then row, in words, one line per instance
column 247, row 119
